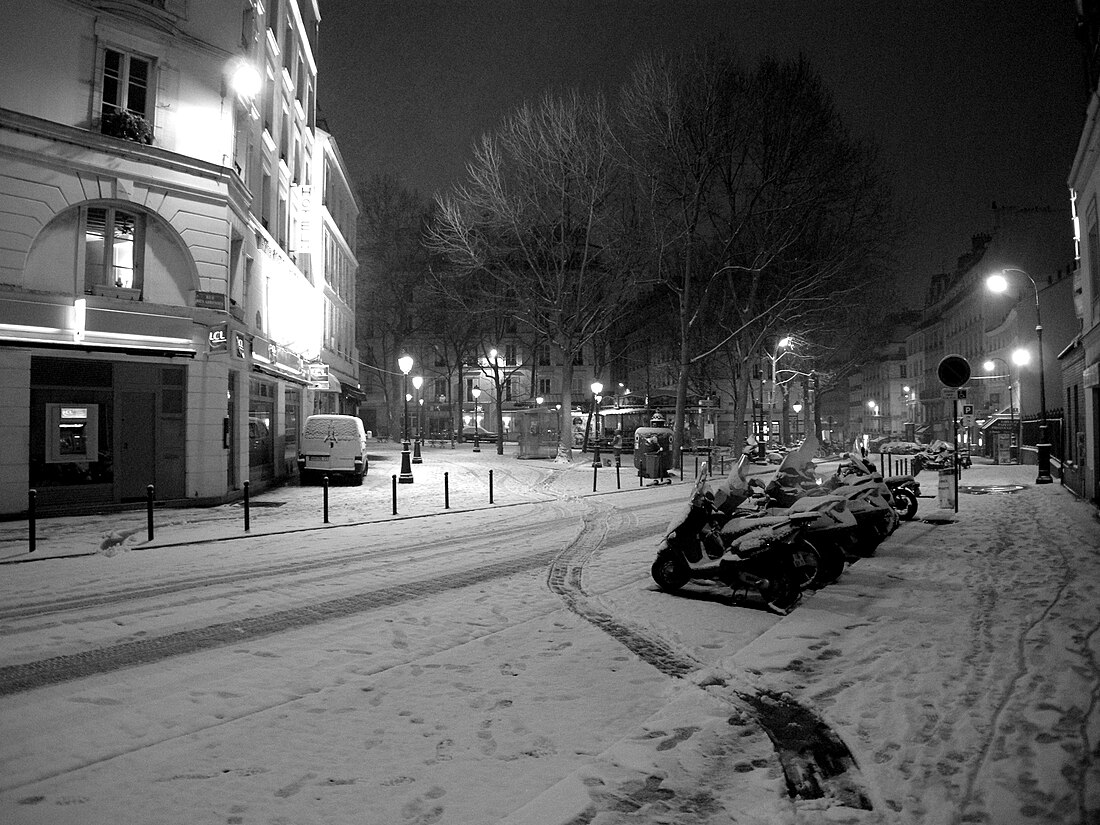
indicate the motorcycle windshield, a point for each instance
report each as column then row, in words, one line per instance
column 698, row 490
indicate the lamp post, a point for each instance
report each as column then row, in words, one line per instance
column 999, row 283
column 597, row 389
column 774, row 357
column 418, row 382
column 476, row 393
column 405, row 363
column 909, row 397
column 796, row 407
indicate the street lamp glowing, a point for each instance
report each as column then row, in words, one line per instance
column 476, row 393
column 988, row 366
column 405, row 364
column 246, row 81
column 997, row 282
column 785, row 341
column 597, row 388
column 1021, row 357
column 871, row 404
column 797, row 407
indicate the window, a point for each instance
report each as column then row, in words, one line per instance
column 126, row 80
column 114, row 245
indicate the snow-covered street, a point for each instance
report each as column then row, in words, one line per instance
column 512, row 662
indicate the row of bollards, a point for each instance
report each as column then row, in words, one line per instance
column 150, row 497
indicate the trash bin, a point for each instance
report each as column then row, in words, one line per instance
column 652, row 465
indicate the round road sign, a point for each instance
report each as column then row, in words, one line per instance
column 954, row 370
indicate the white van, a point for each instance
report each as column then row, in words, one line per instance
column 333, row 445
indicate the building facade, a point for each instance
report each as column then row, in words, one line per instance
column 163, row 287
column 1080, row 361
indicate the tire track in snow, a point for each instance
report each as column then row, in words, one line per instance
column 815, row 761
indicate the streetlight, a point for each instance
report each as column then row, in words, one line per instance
column 597, row 389
column 999, row 283
column 405, row 364
column 476, row 393
column 418, row 382
column 872, row 405
column 774, row 357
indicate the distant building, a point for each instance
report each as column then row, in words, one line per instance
column 172, row 288
column 961, row 316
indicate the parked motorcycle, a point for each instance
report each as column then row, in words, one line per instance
column 873, row 515
column 833, row 532
column 764, row 554
column 904, row 489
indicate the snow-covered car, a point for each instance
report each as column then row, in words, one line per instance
column 901, row 447
column 482, row 434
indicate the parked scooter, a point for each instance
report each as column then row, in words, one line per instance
column 764, row 554
column 864, row 503
column 905, row 489
column 833, row 532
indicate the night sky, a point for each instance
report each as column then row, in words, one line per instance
column 970, row 101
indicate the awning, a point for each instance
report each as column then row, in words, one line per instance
column 273, row 371
column 351, row 391
column 923, row 428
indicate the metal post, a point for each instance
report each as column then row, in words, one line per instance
column 394, row 495
column 324, row 483
column 618, row 481
column 595, row 475
column 32, row 496
column 490, row 486
column 446, row 491
column 246, row 506
column 149, row 510
column 955, row 429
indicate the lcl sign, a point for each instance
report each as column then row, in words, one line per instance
column 217, row 338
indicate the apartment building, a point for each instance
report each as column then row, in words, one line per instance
column 167, row 304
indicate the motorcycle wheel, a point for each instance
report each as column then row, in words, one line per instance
column 781, row 594
column 833, row 559
column 806, row 565
column 905, row 503
column 670, row 571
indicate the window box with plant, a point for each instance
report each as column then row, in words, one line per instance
column 122, row 123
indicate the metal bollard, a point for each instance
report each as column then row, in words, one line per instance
column 697, row 465
column 394, row 494
column 149, row 510
column 32, row 496
column 324, row 483
column 618, row 481
column 246, row 506
column 490, row 486
column 446, row 491
column 595, row 475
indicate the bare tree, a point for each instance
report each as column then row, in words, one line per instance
column 391, row 298
column 764, row 214
column 537, row 224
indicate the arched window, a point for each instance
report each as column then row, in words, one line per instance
column 114, row 248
